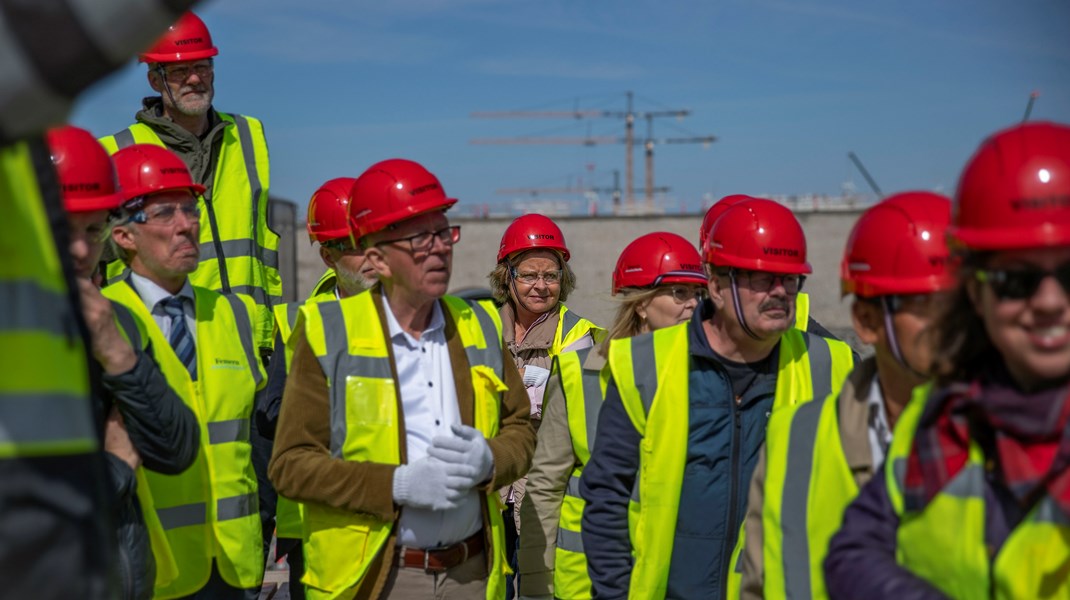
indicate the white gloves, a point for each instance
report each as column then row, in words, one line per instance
column 427, row 483
column 468, row 452
column 535, row 376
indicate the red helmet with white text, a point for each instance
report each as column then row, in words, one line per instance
column 392, row 191
column 187, row 39
column 86, row 174
column 328, row 211
column 899, row 246
column 758, row 235
column 656, row 259
column 1015, row 191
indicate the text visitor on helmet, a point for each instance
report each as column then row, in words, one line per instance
column 975, row 497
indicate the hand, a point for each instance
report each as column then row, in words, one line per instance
column 468, row 450
column 117, row 440
column 427, row 483
column 110, row 349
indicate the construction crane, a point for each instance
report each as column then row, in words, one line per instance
column 629, row 115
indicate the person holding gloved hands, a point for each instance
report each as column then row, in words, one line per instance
column 403, row 413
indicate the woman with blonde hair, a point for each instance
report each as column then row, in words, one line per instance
column 660, row 281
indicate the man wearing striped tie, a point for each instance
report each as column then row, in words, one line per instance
column 204, row 344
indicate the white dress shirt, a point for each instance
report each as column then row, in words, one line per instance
column 152, row 295
column 429, row 405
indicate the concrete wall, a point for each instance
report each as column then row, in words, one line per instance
column 595, row 244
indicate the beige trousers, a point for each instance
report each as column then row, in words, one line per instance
column 466, row 581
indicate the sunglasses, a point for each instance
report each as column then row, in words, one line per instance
column 1021, row 284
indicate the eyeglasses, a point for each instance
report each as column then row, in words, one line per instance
column 683, row 294
column 549, row 277
column 344, row 246
column 181, row 73
column 762, row 281
column 164, row 214
column 423, row 243
column 1021, row 284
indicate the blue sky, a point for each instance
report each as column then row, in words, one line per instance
column 788, row 87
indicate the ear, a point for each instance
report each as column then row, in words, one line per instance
column 377, row 260
column 640, row 309
column 325, row 256
column 716, row 291
column 154, row 80
column 867, row 321
column 123, row 236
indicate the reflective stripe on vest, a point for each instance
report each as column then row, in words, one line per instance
column 289, row 514
column 209, row 511
column 808, row 486
column 349, row 341
column 656, row 401
column 584, row 391
column 238, row 208
column 571, row 328
column 41, row 414
column 944, row 541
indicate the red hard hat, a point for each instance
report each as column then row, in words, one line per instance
column 392, row 191
column 86, row 174
column 187, row 39
column 328, row 210
column 530, row 232
column 899, row 247
column 1015, row 191
column 149, row 169
column 656, row 259
column 715, row 211
column 758, row 235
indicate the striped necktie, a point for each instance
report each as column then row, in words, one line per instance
column 181, row 338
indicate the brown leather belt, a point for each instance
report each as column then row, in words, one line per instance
column 440, row 560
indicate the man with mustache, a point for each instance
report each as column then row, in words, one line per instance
column 226, row 154
column 403, row 414
column 685, row 412
column 203, row 343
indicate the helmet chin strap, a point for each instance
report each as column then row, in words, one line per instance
column 163, row 79
column 893, row 339
column 735, row 304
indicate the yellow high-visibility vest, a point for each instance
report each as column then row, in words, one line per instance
column 347, row 337
column 944, row 542
column 289, row 513
column 209, row 511
column 808, row 486
column 45, row 406
column 656, row 401
column 239, row 252
column 570, row 328
column 584, row 391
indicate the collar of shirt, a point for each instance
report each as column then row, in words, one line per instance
column 399, row 335
column 152, row 294
column 880, row 434
column 700, row 345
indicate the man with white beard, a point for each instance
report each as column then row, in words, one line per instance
column 227, row 154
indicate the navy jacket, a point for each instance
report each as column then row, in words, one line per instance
column 723, row 444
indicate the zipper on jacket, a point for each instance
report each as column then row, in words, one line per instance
column 726, row 551
column 224, row 280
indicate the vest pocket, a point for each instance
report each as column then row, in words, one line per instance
column 370, row 400
column 327, row 530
